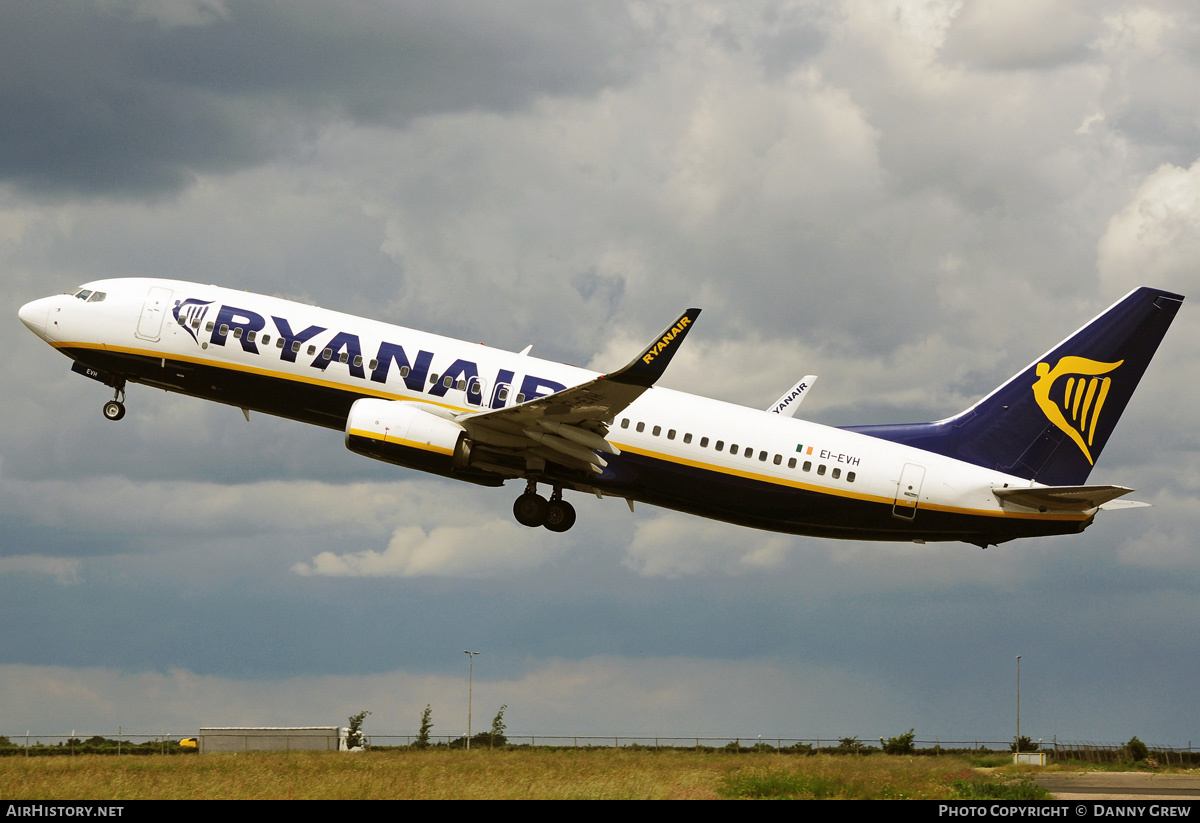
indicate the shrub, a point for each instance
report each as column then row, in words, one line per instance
column 354, row 736
column 901, row 744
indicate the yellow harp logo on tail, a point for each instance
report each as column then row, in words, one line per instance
column 1072, row 394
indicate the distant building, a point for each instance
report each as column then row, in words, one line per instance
column 271, row 738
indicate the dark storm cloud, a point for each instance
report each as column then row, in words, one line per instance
column 105, row 100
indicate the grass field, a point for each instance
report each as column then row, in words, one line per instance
column 509, row 774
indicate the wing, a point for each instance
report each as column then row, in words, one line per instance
column 570, row 426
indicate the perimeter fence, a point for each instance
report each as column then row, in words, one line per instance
column 136, row 743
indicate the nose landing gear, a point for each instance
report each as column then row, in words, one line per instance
column 115, row 409
column 533, row 510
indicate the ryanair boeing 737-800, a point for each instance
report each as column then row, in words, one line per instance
column 1013, row 465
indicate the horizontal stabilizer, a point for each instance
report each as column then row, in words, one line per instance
column 1113, row 505
column 1062, row 498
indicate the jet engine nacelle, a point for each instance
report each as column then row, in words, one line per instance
column 411, row 435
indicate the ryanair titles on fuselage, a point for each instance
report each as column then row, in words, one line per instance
column 345, row 348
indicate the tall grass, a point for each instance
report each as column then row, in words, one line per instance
column 477, row 774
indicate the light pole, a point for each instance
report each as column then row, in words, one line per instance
column 470, row 685
column 1017, row 746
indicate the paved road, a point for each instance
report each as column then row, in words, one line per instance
column 1121, row 786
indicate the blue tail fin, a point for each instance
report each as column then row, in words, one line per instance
column 1050, row 421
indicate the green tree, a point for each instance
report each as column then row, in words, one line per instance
column 901, row 744
column 498, row 728
column 1137, row 749
column 1027, row 745
column 422, row 741
column 354, row 735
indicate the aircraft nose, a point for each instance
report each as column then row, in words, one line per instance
column 33, row 315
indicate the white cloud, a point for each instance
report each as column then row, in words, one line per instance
column 487, row 549
column 675, row 545
column 64, row 570
column 1155, row 239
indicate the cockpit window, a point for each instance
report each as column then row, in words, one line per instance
column 97, row 296
column 83, row 294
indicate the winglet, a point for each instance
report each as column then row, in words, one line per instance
column 647, row 367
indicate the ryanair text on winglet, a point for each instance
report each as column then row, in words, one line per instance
column 661, row 345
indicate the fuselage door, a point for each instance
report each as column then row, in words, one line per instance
column 908, row 491
column 149, row 325
column 476, row 391
column 501, row 396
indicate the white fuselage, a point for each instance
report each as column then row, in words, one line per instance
column 678, row 450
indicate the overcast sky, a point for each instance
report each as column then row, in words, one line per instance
column 910, row 199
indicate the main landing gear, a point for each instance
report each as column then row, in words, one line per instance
column 115, row 409
column 533, row 510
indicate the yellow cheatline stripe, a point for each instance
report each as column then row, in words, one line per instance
column 836, row 492
column 241, row 367
column 400, row 441
column 367, row 390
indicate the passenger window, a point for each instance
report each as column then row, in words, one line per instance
column 403, row 369
column 447, row 381
column 266, row 339
column 374, row 364
column 520, row 398
column 460, row 385
column 237, row 333
column 625, row 422
column 791, row 462
column 312, row 349
column 821, row 469
column 279, row 342
column 209, row 326
column 224, row 330
column 837, row 473
column 432, row 379
column 807, row 465
column 196, row 324
column 641, row 427
column 250, row 336
column 720, row 445
column 357, row 361
column 733, row 449
column 778, row 459
column 849, row 477
column 502, row 394
column 343, row 357
column 657, row 431
column 687, row 438
column 704, row 442
column 762, row 457
column 670, row 434
column 295, row 345
column 750, row 452
column 327, row 354
column 475, row 389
